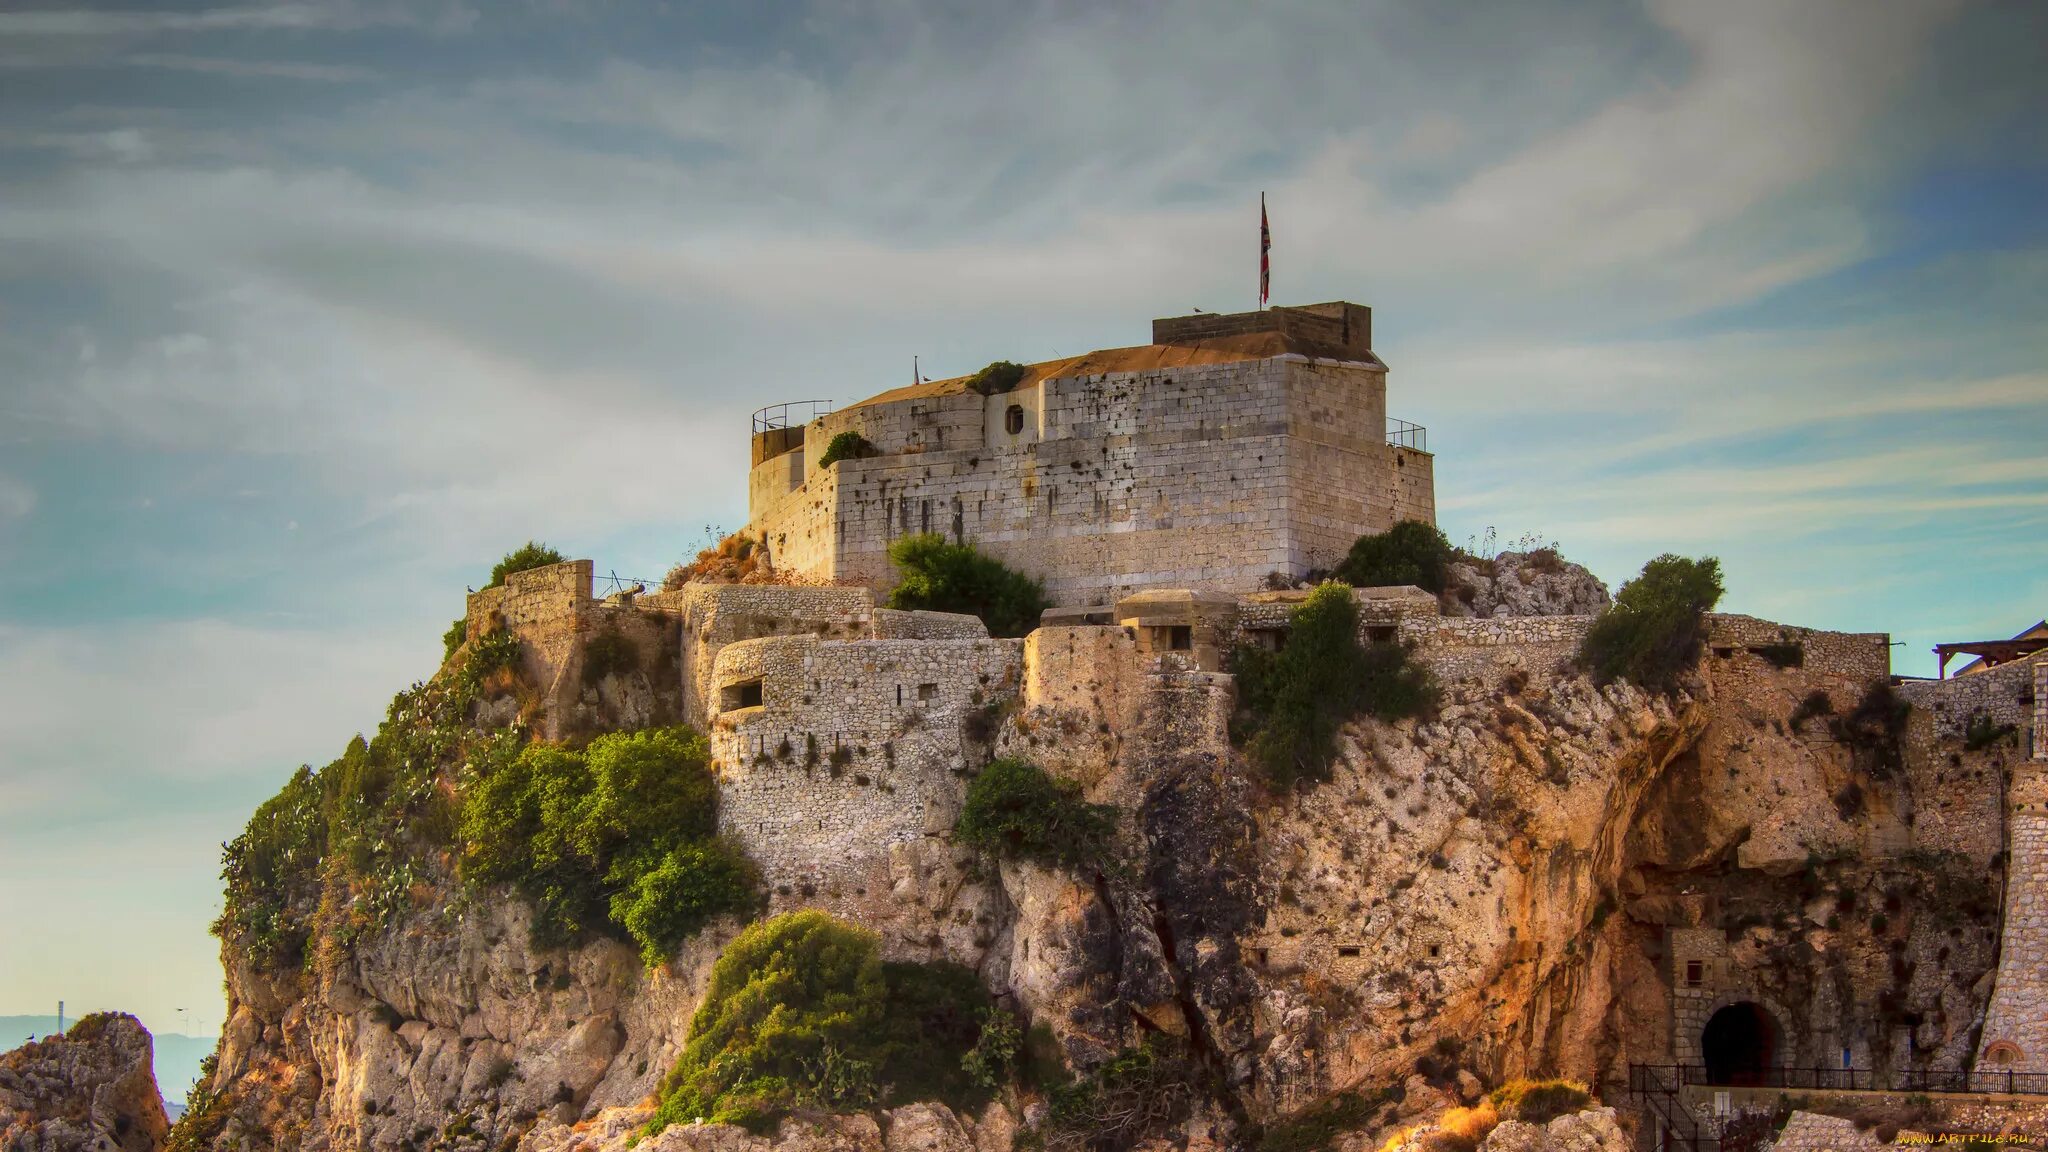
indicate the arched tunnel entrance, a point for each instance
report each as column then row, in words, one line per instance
column 1739, row 1045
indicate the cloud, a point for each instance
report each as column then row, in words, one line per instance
column 17, row 499
column 277, row 69
column 338, row 14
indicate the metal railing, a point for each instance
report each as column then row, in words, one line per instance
column 1402, row 434
column 1667, row 1079
column 789, row 413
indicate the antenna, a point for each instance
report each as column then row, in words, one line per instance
column 60, row 1017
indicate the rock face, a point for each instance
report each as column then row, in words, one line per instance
column 1593, row 1130
column 90, row 1090
column 1535, row 583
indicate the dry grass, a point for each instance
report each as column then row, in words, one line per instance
column 737, row 559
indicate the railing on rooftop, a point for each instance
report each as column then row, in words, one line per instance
column 789, row 414
column 1402, row 434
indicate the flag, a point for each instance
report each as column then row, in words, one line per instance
column 1265, row 253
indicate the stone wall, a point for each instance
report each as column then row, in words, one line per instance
column 1206, row 475
column 854, row 747
column 2016, row 1026
column 1861, row 656
column 2003, row 695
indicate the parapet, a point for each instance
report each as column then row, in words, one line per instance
column 1339, row 326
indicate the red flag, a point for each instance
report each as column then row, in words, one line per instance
column 1265, row 253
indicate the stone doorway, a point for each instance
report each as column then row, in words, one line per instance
column 1739, row 1045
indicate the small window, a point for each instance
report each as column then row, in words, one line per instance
column 1181, row 637
column 927, row 691
column 1348, row 950
column 1381, row 633
column 745, row 694
column 1260, row 956
column 1435, row 950
column 1694, row 973
column 1013, row 419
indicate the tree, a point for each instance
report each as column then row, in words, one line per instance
column 1014, row 810
column 1410, row 552
column 943, row 577
column 524, row 558
column 1656, row 627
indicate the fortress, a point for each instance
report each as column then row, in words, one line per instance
column 1156, row 490
column 1230, row 448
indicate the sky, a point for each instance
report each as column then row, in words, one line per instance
column 311, row 310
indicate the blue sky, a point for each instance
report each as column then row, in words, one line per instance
column 310, row 310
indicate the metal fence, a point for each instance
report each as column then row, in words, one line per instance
column 1402, row 434
column 789, row 413
column 1667, row 1079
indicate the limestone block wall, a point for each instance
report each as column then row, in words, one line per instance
column 2016, row 1024
column 894, row 624
column 855, row 746
column 1722, row 982
column 1862, row 656
column 2006, row 694
column 1210, row 475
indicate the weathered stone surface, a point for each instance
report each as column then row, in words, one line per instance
column 1592, row 1130
column 1537, row 583
column 92, row 1089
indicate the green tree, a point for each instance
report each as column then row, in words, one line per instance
column 1411, row 552
column 847, row 445
column 791, row 1003
column 524, row 558
column 999, row 376
column 939, row 576
column 662, row 906
column 1656, row 626
column 1292, row 703
column 1014, row 810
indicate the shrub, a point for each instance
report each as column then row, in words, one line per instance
column 272, row 872
column 791, row 1003
column 1982, row 732
column 1539, row 1101
column 1291, row 703
column 667, row 904
column 1411, row 552
column 609, row 653
column 998, row 1049
column 1000, row 376
column 847, row 445
column 1462, row 1129
column 524, row 558
column 1317, row 1126
column 615, row 836
column 943, row 577
column 1138, row 1091
column 1655, row 628
column 737, row 558
column 453, row 638
column 1014, row 810
column 929, row 1045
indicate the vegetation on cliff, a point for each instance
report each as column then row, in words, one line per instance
column 942, row 577
column 999, row 376
column 1656, row 627
column 847, row 445
column 1411, row 552
column 1015, row 811
column 528, row 556
column 618, row 835
column 1292, row 703
column 801, row 1012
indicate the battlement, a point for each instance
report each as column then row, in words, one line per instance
column 1338, row 326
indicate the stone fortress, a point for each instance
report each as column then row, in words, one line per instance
column 1155, row 490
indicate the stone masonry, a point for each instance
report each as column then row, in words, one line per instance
column 2016, row 1025
column 1200, row 461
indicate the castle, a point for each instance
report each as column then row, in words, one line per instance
column 1154, row 490
column 1230, row 448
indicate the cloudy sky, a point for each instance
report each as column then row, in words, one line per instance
column 310, row 310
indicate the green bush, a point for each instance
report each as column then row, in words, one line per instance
column 1138, row 1091
column 1292, row 703
column 791, row 1003
column 942, row 577
column 524, row 558
column 1539, row 1101
column 273, row 868
column 847, row 445
column 453, row 638
column 609, row 653
column 1411, row 552
column 1656, row 626
column 999, row 376
column 928, row 1045
column 616, row 836
column 1014, row 810
column 1874, row 730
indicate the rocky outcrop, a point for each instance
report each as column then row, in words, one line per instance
column 1593, row 1130
column 90, row 1090
column 1533, row 583
column 912, row 1128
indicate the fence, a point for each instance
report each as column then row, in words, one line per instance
column 1402, row 434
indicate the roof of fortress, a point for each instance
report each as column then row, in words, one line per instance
column 1146, row 358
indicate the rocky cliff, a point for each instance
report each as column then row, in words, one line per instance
column 1545, row 876
column 89, row 1089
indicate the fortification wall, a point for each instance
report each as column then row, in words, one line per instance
column 2002, row 695
column 715, row 615
column 2016, row 1025
column 855, row 747
column 1207, row 476
column 1860, row 656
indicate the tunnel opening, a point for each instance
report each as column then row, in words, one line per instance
column 1739, row 1045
